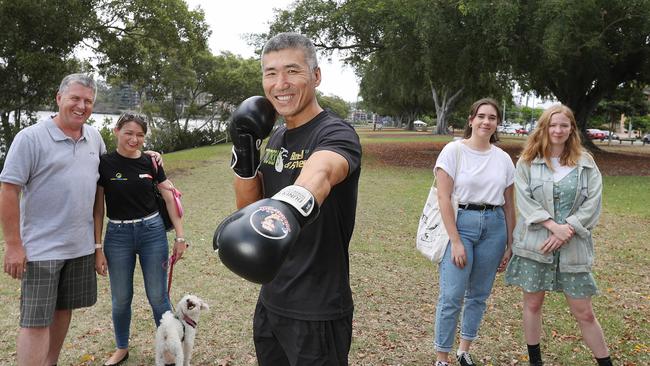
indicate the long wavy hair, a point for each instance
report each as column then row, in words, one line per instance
column 539, row 144
column 474, row 110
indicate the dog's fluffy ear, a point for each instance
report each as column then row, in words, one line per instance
column 204, row 305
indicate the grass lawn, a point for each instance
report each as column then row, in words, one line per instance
column 394, row 288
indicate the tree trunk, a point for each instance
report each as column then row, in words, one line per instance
column 9, row 131
column 612, row 119
column 582, row 109
column 582, row 103
column 397, row 121
column 6, row 130
column 410, row 118
column 444, row 107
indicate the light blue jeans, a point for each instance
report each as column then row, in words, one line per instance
column 123, row 242
column 484, row 236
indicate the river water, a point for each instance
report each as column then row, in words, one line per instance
column 100, row 118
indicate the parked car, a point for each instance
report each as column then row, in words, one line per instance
column 521, row 131
column 596, row 134
column 646, row 138
column 608, row 135
column 512, row 128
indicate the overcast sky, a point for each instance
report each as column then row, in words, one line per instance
column 230, row 20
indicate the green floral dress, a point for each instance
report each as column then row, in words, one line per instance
column 533, row 276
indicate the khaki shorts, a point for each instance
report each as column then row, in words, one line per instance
column 56, row 284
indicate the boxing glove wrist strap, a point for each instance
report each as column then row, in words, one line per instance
column 299, row 198
column 242, row 169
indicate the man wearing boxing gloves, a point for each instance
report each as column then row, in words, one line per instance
column 294, row 232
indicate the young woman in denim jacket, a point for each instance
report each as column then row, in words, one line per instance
column 558, row 189
column 481, row 176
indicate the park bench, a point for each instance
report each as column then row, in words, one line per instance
column 630, row 139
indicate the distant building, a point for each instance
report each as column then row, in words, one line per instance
column 128, row 97
column 358, row 116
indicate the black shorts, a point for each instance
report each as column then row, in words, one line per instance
column 281, row 341
column 56, row 284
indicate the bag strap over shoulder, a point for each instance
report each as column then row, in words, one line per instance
column 458, row 153
column 171, row 187
column 154, row 164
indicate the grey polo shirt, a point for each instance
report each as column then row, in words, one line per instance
column 58, row 177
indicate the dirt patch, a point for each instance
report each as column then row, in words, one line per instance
column 424, row 155
column 380, row 135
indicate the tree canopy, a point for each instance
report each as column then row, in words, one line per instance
column 414, row 56
column 580, row 52
column 158, row 48
column 37, row 42
column 577, row 52
column 334, row 104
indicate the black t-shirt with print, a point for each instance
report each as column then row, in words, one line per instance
column 128, row 185
column 314, row 281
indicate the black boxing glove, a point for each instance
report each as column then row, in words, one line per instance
column 251, row 123
column 254, row 241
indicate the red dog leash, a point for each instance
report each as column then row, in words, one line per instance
column 170, row 263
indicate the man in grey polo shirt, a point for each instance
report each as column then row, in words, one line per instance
column 49, row 231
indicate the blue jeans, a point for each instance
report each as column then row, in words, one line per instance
column 484, row 236
column 122, row 243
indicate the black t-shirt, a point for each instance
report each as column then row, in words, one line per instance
column 314, row 281
column 128, row 185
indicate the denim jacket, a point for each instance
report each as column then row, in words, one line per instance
column 534, row 192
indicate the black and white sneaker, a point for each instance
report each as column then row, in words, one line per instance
column 465, row 359
column 441, row 363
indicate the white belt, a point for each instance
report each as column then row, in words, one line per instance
column 134, row 221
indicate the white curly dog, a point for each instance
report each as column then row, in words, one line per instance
column 175, row 335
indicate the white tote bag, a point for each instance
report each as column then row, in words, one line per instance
column 432, row 238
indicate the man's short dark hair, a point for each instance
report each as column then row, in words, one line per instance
column 289, row 40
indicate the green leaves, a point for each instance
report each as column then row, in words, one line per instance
column 157, row 47
column 581, row 51
column 334, row 103
column 36, row 49
column 410, row 52
column 161, row 49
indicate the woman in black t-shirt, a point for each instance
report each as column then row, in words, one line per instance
column 135, row 227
